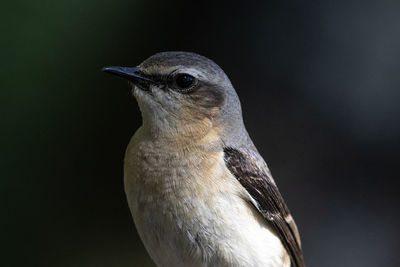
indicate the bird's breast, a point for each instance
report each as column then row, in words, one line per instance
column 190, row 211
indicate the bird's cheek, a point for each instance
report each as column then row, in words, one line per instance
column 195, row 113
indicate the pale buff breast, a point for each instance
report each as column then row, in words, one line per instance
column 190, row 211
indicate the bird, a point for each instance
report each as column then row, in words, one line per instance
column 199, row 192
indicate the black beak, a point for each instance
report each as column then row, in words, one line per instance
column 133, row 75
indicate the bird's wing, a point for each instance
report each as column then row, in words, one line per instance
column 267, row 199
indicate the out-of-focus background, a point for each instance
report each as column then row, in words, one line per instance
column 319, row 83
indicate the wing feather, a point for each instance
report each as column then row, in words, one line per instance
column 267, row 199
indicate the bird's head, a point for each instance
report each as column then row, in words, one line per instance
column 182, row 93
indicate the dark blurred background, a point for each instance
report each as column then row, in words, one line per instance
column 319, row 83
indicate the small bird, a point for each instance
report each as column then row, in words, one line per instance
column 199, row 192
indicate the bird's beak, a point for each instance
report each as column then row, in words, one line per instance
column 133, row 75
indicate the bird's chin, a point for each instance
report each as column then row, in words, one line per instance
column 141, row 94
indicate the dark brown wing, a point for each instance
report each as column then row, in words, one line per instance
column 268, row 200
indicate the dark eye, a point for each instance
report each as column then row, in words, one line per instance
column 184, row 81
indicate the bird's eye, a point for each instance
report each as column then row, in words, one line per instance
column 184, row 81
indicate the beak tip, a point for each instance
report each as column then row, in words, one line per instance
column 107, row 69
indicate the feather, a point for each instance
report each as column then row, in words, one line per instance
column 267, row 199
